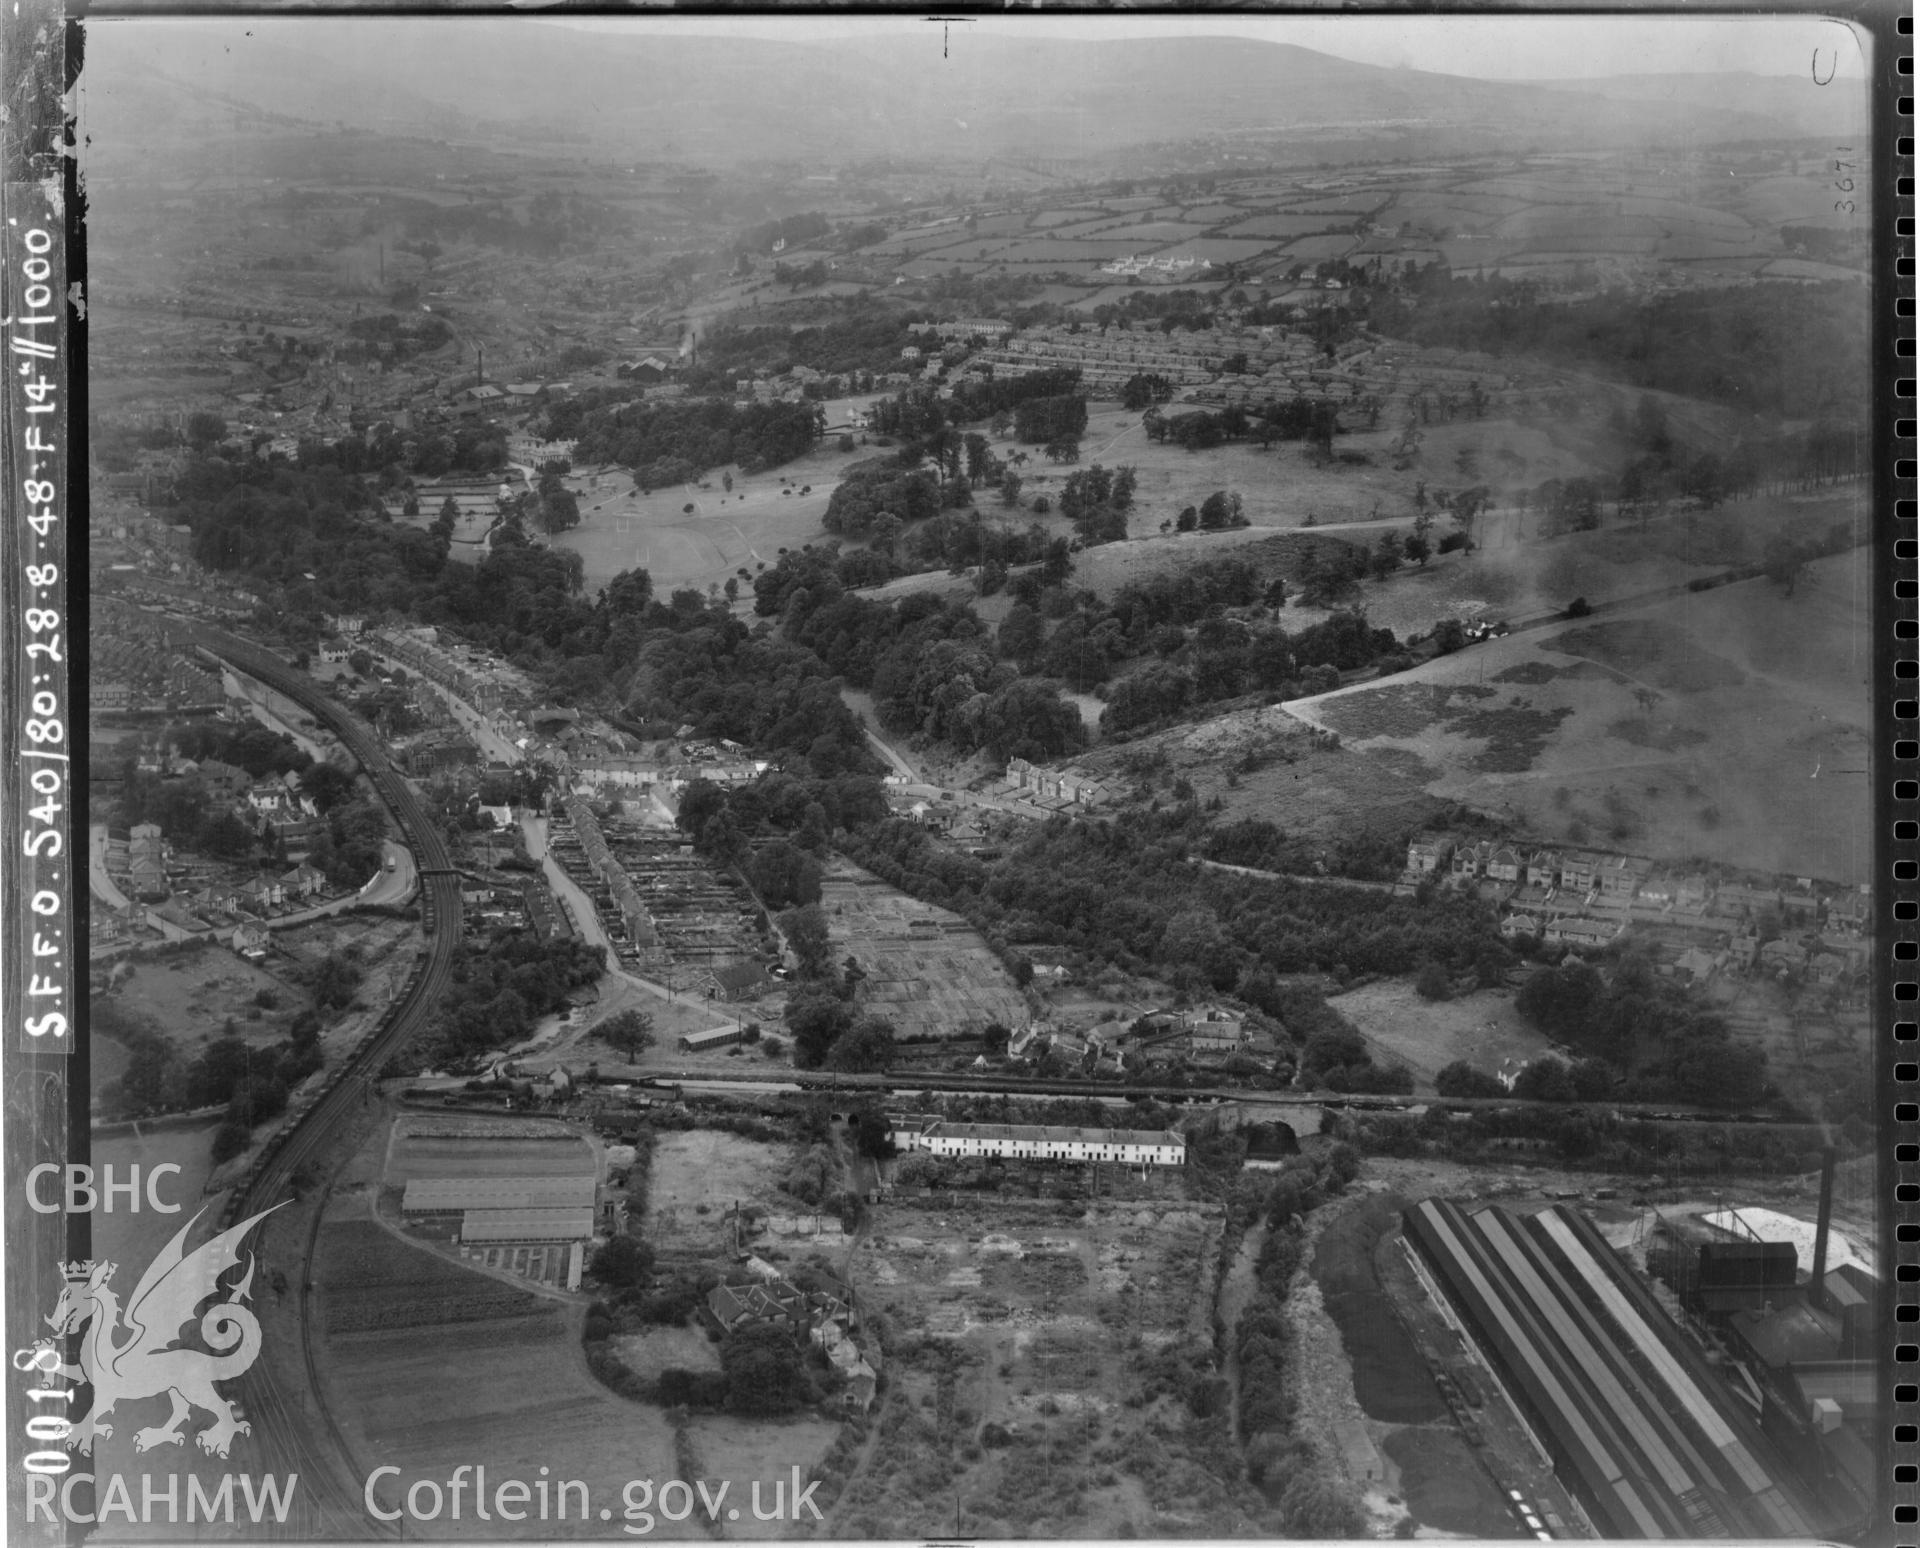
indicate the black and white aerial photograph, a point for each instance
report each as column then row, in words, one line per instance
column 860, row 776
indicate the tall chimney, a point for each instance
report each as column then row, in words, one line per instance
column 480, row 362
column 1817, row 1290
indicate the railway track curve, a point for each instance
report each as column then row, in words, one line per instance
column 285, row 1420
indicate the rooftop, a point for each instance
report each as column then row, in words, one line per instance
column 1035, row 1134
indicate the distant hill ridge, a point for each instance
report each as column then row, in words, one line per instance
column 719, row 98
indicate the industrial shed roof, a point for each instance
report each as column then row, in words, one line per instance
column 451, row 1195
column 526, row 1225
column 1636, row 1420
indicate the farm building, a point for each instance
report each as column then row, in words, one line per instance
column 1036, row 1142
column 526, row 1225
column 1213, row 1030
column 457, row 1195
column 1643, row 1432
column 779, row 1302
column 712, row 1038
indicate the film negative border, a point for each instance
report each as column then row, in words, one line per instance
column 38, row 1106
column 1900, row 788
column 42, row 967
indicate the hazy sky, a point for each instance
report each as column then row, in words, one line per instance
column 1494, row 47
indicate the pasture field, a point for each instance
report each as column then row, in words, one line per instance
column 935, row 983
column 1217, row 249
column 1317, row 249
column 744, row 1450
column 1728, row 726
column 698, row 1175
column 1041, row 1320
column 1426, row 1036
column 621, row 529
column 192, row 996
column 421, row 1401
column 1288, row 226
column 1790, row 201
column 666, row 1348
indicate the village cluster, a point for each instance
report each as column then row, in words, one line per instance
column 1699, row 923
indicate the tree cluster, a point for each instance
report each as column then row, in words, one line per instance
column 1661, row 1041
column 499, row 992
column 667, row 443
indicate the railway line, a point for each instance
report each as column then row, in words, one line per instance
column 282, row 1420
column 900, row 1083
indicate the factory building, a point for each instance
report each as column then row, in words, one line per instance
column 457, row 1195
column 526, row 1225
column 1643, row 1432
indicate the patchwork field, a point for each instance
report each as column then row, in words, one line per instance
column 1547, row 217
column 935, row 982
column 427, row 1365
column 1027, row 1347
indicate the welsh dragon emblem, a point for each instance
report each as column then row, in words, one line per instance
column 147, row 1361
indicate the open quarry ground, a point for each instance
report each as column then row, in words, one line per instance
column 697, row 1176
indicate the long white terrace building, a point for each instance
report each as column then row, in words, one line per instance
column 1037, row 1142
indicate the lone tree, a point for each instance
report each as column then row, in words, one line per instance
column 1783, row 561
column 204, row 430
column 623, row 1263
column 631, row 1031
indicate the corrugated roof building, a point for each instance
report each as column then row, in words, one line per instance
column 526, row 1225
column 454, row 1195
